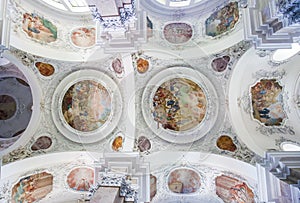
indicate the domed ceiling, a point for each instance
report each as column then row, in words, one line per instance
column 178, row 85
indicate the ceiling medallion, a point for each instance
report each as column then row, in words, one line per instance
column 122, row 27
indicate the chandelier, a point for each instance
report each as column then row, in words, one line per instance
column 120, row 25
column 272, row 24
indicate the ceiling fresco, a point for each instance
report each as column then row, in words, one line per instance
column 225, row 142
column 230, row 189
column 45, row 69
column 184, row 181
column 178, row 33
column 267, row 102
column 81, row 179
column 42, row 143
column 32, row 188
column 174, row 100
column 90, row 106
column 83, row 37
column 39, row 28
column 222, row 20
column 86, row 105
column 196, row 104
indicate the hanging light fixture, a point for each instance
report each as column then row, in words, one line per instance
column 120, row 25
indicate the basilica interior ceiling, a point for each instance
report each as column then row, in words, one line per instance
column 177, row 84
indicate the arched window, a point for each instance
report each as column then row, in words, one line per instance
column 289, row 146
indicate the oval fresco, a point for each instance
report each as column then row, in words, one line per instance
column 83, row 37
column 178, row 33
column 86, row 106
column 220, row 64
column 222, row 20
column 32, row 188
column 8, row 107
column 179, row 104
column 43, row 142
column 117, row 143
column 81, row 179
column 142, row 65
column 184, row 181
column 225, row 142
column 230, row 189
column 117, row 66
column 267, row 102
column 39, row 28
column 45, row 69
column 143, row 144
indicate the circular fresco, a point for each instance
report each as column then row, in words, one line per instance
column 88, row 104
column 8, row 107
column 179, row 104
column 176, row 103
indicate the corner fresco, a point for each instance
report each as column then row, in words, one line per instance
column 141, row 62
column 43, row 142
column 39, row 28
column 220, row 64
column 86, row 106
column 117, row 67
column 178, row 33
column 117, row 143
column 231, row 190
column 267, row 102
column 184, row 181
column 224, row 142
column 83, row 37
column 222, row 20
column 179, row 104
column 32, row 188
column 81, row 179
column 45, row 69
column 143, row 144
column 142, row 65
